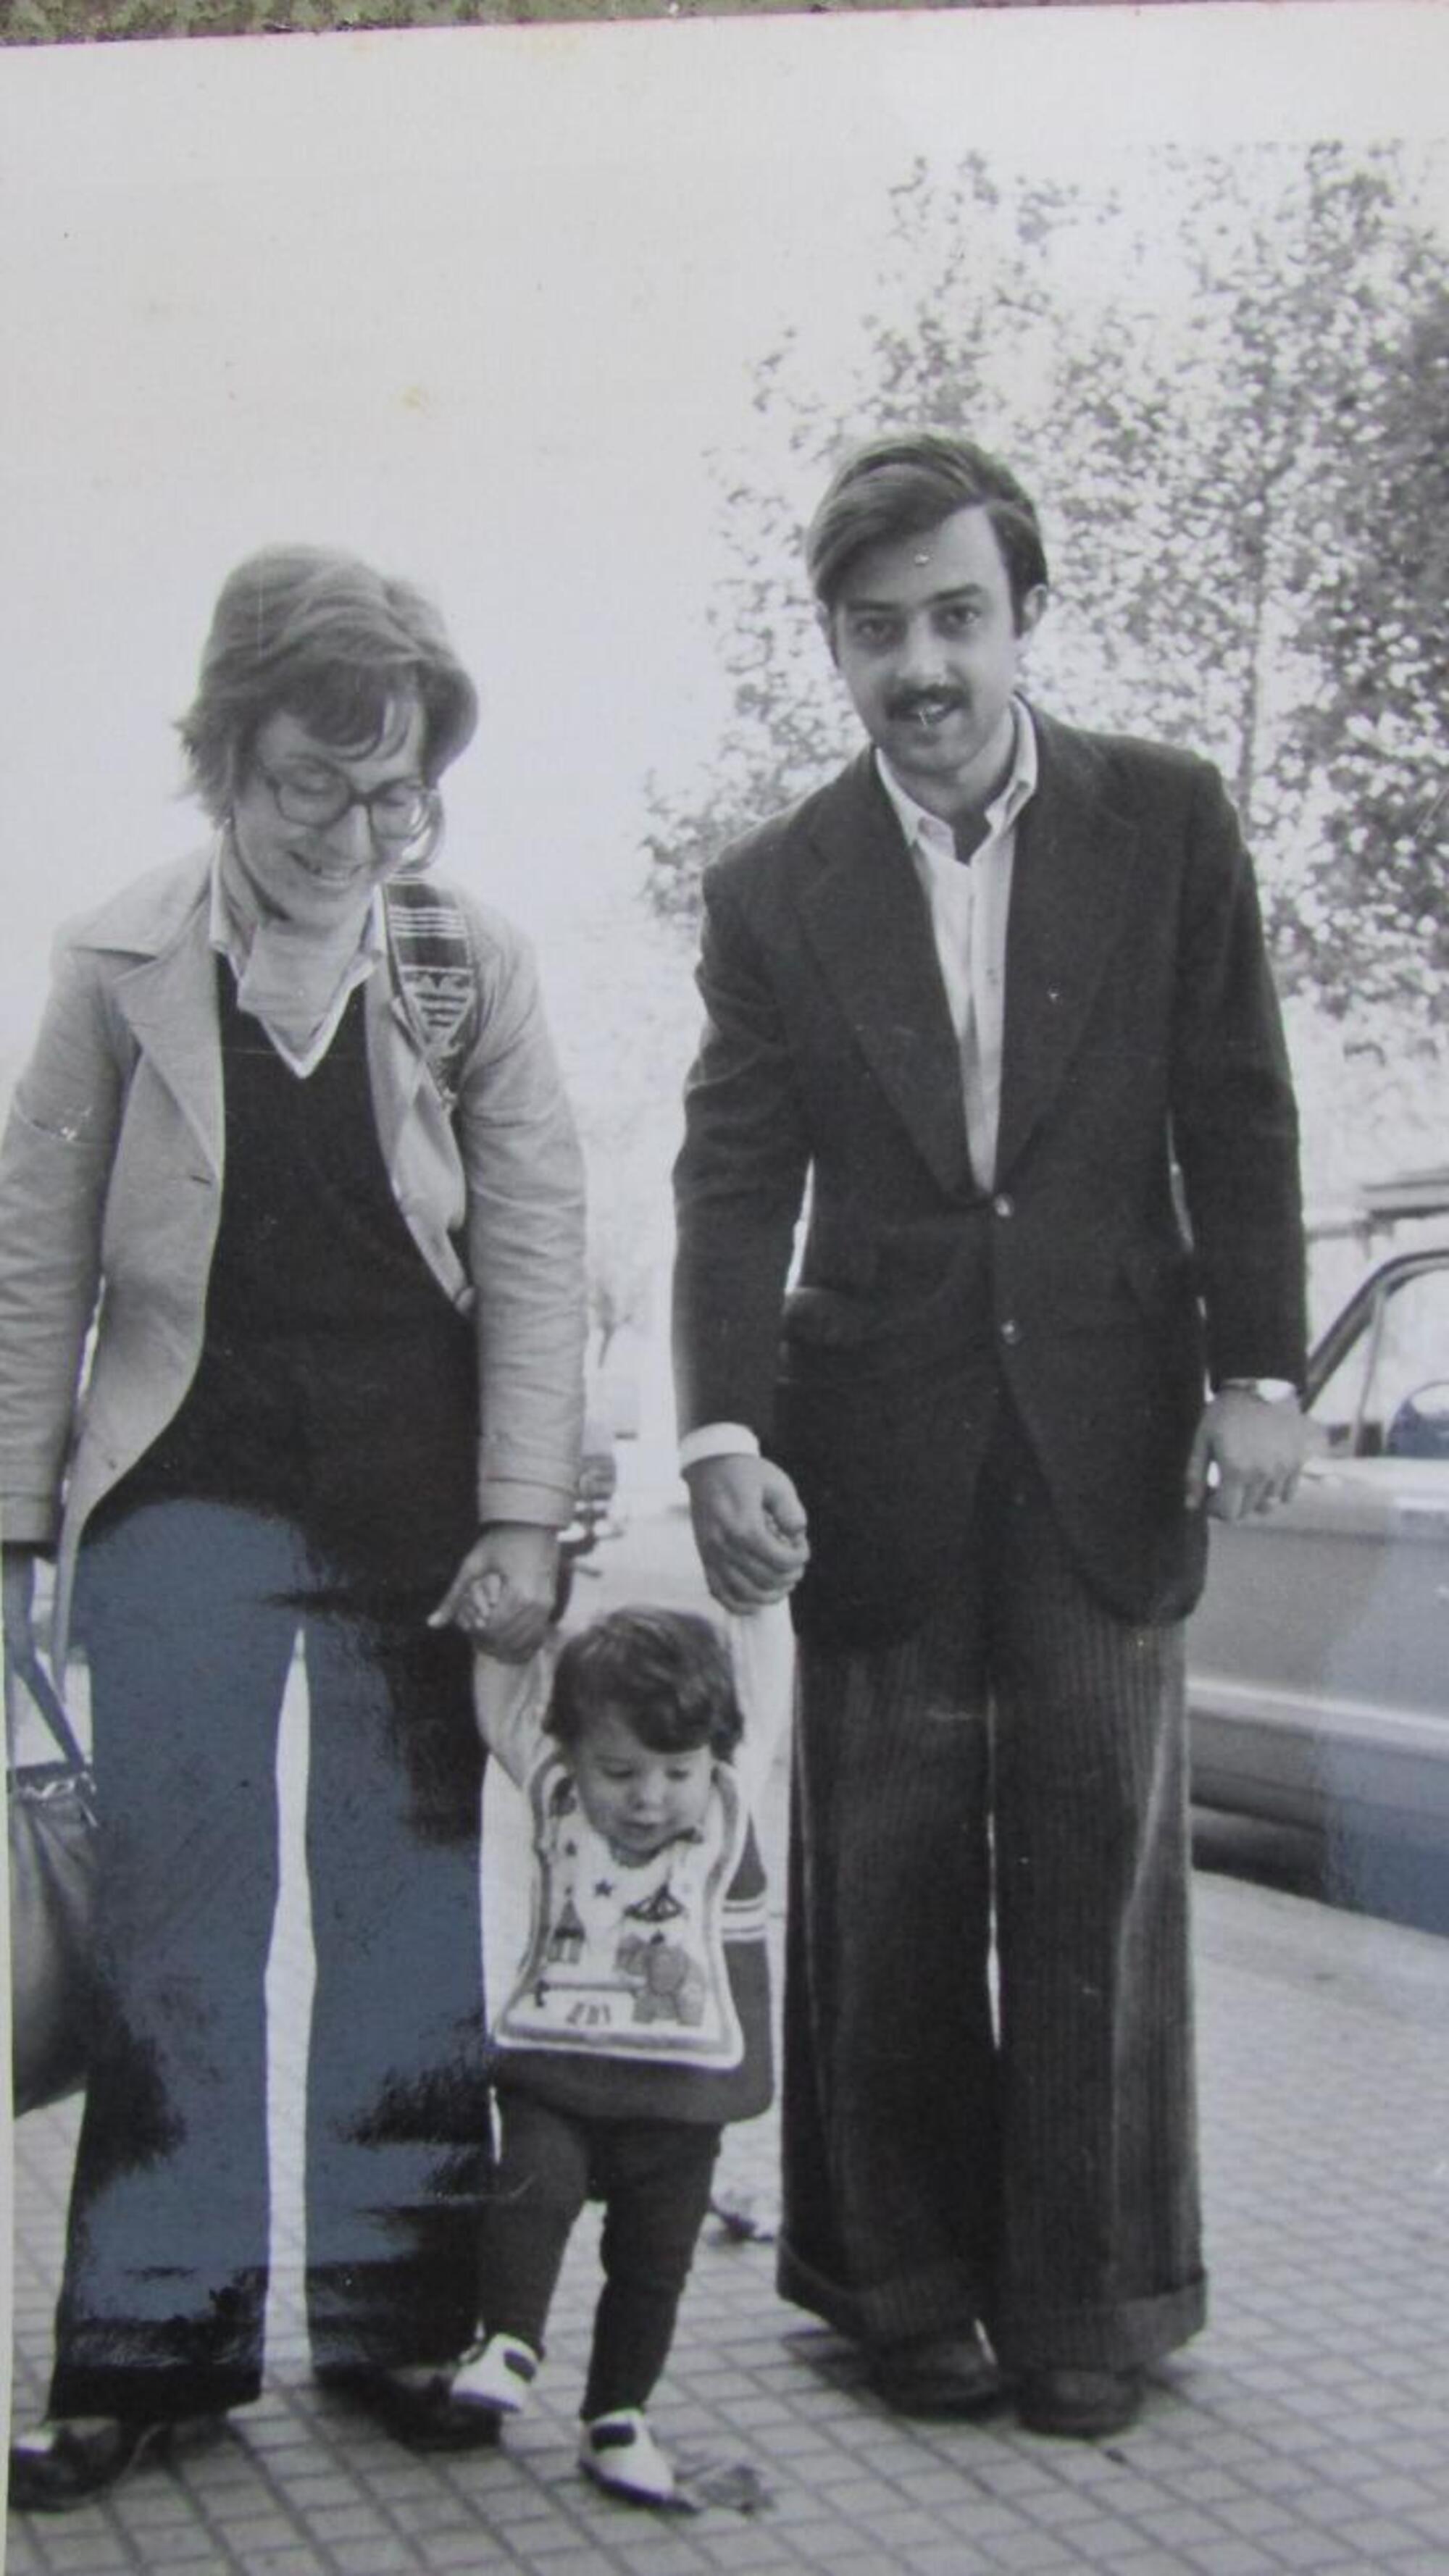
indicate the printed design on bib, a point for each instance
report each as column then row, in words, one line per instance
column 627, row 1959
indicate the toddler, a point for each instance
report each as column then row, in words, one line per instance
column 639, row 2022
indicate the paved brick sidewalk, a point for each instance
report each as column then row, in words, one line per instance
column 1304, row 2431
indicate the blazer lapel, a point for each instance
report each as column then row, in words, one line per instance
column 869, row 924
column 1075, row 859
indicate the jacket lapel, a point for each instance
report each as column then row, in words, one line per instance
column 1075, row 860
column 169, row 1002
column 868, row 922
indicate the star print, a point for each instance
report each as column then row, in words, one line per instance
column 603, row 1887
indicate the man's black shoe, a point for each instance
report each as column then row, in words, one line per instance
column 940, row 2374
column 1081, row 2405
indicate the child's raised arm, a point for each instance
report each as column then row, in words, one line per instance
column 762, row 1651
column 509, row 1701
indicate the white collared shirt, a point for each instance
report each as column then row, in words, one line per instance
column 228, row 940
column 970, row 906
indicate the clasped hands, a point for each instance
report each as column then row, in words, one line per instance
column 502, row 1595
column 749, row 1527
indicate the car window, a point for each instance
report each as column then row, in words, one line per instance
column 1389, row 1394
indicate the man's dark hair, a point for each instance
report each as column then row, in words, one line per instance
column 666, row 1672
column 326, row 639
column 904, row 485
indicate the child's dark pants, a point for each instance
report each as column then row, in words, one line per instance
column 653, row 2177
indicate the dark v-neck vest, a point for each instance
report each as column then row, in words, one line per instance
column 337, row 1383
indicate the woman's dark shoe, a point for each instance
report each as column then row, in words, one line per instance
column 1081, row 2405
column 64, row 2463
column 941, row 2374
column 416, row 2407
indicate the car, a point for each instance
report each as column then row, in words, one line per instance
column 1318, row 1659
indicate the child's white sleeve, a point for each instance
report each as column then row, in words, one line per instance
column 509, row 1701
column 762, row 1651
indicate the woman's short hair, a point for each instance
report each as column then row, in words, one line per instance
column 901, row 486
column 333, row 643
column 667, row 1673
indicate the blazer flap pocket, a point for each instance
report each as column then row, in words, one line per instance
column 828, row 1318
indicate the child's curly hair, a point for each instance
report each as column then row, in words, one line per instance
column 666, row 1672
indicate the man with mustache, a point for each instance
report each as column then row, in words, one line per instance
column 995, row 1004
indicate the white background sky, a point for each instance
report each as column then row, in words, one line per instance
column 476, row 303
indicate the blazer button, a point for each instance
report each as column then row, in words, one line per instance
column 1004, row 1204
column 1011, row 1330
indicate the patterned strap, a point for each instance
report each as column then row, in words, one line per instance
column 431, row 948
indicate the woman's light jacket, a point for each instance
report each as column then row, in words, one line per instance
column 110, row 1197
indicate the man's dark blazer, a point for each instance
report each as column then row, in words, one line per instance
column 1143, row 1231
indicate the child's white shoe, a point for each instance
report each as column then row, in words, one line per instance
column 621, row 2455
column 496, row 2375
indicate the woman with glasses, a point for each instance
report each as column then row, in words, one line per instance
column 291, row 1323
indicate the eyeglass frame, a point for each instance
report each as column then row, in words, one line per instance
column 430, row 802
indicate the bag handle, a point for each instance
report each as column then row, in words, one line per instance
column 26, row 1662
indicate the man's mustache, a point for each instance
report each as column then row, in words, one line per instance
column 902, row 704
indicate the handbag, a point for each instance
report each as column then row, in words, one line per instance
column 52, row 1882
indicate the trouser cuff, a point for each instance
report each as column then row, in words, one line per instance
column 940, row 2299
column 1124, row 2337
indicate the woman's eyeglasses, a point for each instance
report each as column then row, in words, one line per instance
column 401, row 812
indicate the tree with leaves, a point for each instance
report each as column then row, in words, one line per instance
column 1226, row 387
column 1376, row 919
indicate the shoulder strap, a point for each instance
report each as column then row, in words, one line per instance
column 430, row 945
column 32, row 1672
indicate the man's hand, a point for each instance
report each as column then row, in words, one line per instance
column 502, row 1595
column 749, row 1527
column 1258, row 1450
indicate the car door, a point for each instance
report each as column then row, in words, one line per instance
column 1319, row 1660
